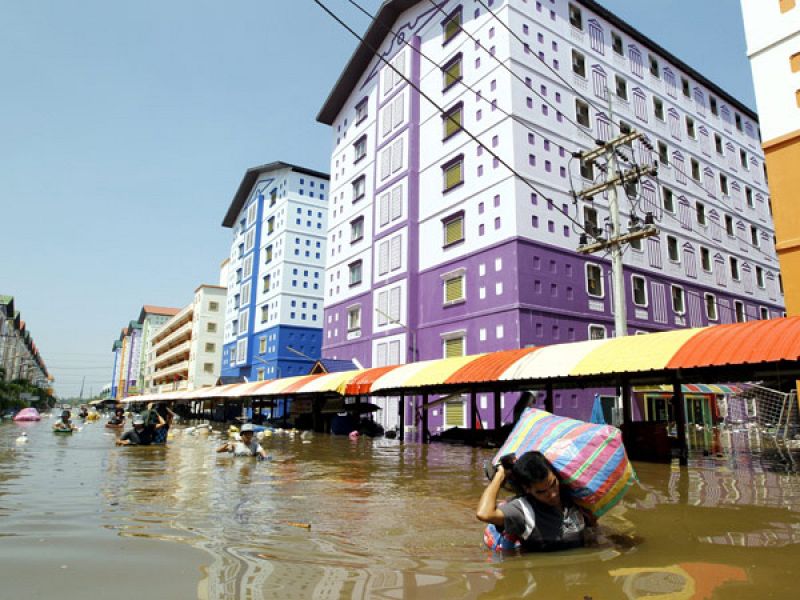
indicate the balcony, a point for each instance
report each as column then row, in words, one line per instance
column 180, row 335
column 180, row 369
column 170, row 355
column 175, row 323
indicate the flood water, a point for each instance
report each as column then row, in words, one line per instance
column 82, row 518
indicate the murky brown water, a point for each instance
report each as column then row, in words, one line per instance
column 81, row 518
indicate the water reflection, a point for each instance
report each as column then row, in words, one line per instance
column 385, row 521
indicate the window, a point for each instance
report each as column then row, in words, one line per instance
column 260, row 374
column 266, row 283
column 354, row 318
column 211, row 328
column 616, row 43
column 268, row 254
column 700, row 210
column 695, row 170
column 356, row 229
column 754, row 236
column 270, row 225
column 273, row 198
column 729, row 225
column 639, row 290
column 711, row 307
column 622, row 87
column 739, row 309
column 451, row 72
column 658, row 108
column 690, row 129
column 743, row 158
column 672, row 249
column 705, row 259
column 262, row 345
column 361, row 111
column 359, row 188
column 451, row 26
column 575, row 17
column 712, row 102
column 786, row 5
column 453, row 121
column 748, row 196
column 453, row 347
column 597, row 332
column 454, row 289
column 264, row 313
column 760, row 277
column 794, row 61
column 587, row 169
column 763, row 312
column 208, row 367
column 594, row 281
column 678, row 305
column 718, row 143
column 685, row 87
column 668, row 199
column 655, row 71
column 210, row 347
column 738, row 119
column 663, row 153
column 723, row 184
column 582, row 112
column 578, row 63
column 734, row 268
column 453, row 173
column 355, row 272
column 453, row 230
column 454, row 413
column 213, row 306
column 590, row 219
column 360, row 148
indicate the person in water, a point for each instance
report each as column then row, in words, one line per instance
column 543, row 517
column 246, row 446
column 165, row 418
column 118, row 420
column 65, row 423
column 84, row 412
column 138, row 436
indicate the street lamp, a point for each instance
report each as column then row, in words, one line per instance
column 410, row 331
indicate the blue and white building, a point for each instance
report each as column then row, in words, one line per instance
column 275, row 277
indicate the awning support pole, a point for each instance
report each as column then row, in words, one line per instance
column 548, row 398
column 627, row 412
column 680, row 421
column 401, row 418
column 425, row 433
column 498, row 418
column 473, row 409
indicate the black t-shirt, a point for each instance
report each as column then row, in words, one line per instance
column 138, row 438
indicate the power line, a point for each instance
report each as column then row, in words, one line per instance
column 442, row 110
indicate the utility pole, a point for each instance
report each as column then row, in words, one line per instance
column 617, row 238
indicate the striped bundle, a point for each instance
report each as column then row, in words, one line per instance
column 589, row 459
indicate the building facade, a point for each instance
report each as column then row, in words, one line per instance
column 151, row 319
column 184, row 353
column 772, row 29
column 275, row 272
column 19, row 356
column 443, row 246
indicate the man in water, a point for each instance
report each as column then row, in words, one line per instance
column 246, row 446
column 65, row 423
column 138, row 436
column 544, row 517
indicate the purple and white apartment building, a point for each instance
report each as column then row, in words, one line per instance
column 436, row 249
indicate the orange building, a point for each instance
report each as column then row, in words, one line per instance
column 772, row 28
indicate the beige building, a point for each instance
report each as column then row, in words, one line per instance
column 185, row 353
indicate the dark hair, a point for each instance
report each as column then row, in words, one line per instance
column 531, row 467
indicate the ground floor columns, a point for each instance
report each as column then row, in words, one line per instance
column 498, row 417
column 401, row 418
column 679, row 408
column 548, row 398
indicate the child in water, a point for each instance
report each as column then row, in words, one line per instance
column 65, row 423
column 247, row 446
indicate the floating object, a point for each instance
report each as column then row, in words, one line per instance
column 306, row 435
column 354, row 435
column 306, row 441
column 589, row 459
column 28, row 414
column 62, row 431
column 300, row 525
column 22, row 439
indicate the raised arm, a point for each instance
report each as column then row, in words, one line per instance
column 487, row 507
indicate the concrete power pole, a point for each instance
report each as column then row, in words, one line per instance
column 617, row 238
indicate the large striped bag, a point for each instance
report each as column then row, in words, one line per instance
column 589, row 459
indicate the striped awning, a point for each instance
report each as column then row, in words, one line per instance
column 771, row 343
column 693, row 388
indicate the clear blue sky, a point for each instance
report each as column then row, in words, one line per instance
column 126, row 127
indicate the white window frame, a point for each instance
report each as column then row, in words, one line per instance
column 601, row 278
column 644, row 287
